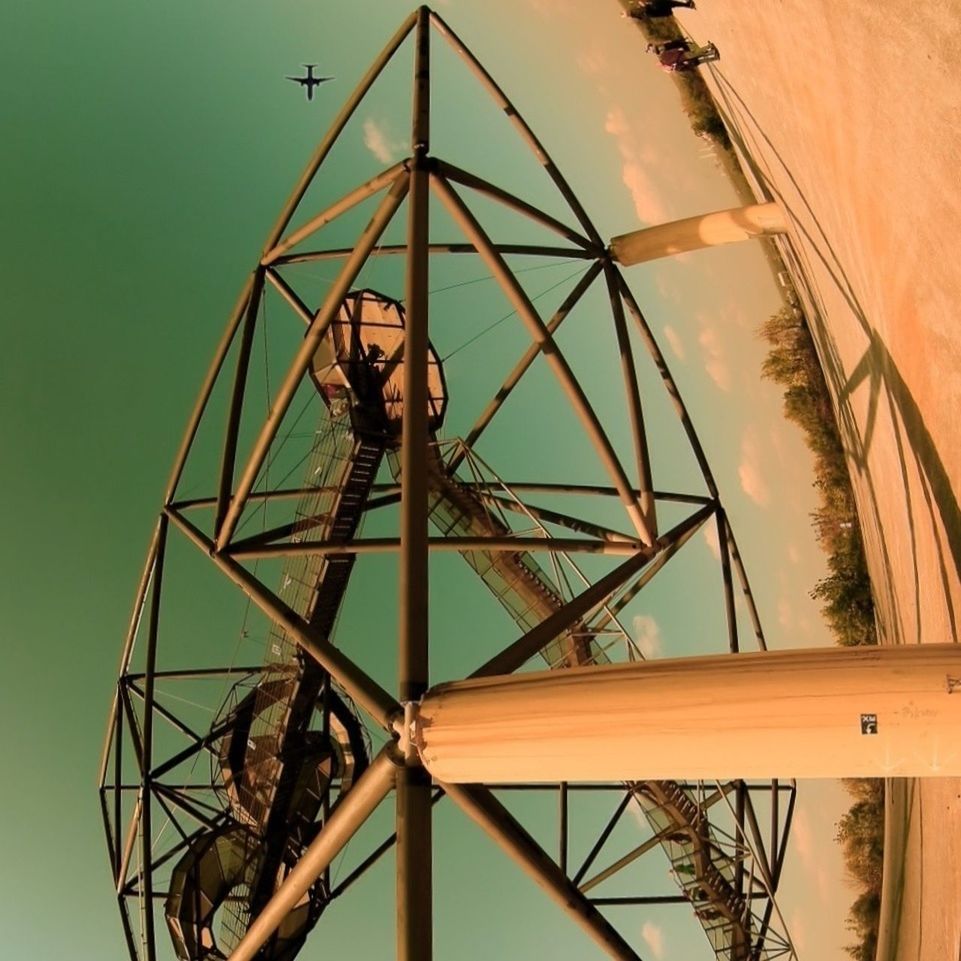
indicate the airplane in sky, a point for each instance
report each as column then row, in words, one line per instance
column 310, row 81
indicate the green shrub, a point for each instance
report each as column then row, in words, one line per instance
column 847, row 601
column 845, row 593
column 861, row 835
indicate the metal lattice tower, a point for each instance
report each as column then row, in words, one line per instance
column 235, row 771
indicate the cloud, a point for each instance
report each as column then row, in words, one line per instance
column 801, row 837
column 785, row 613
column 377, row 140
column 593, row 61
column 647, row 634
column 549, row 8
column 715, row 358
column 654, row 938
column 675, row 342
column 798, row 930
column 711, row 539
column 615, row 123
column 802, row 840
column 749, row 470
column 647, row 205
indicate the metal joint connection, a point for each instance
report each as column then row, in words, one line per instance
column 407, row 729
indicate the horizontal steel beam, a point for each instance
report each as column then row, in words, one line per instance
column 695, row 233
column 383, row 545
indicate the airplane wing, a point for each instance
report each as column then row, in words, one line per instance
column 301, row 80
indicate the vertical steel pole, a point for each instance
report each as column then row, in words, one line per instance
column 633, row 397
column 237, row 399
column 563, row 828
column 775, row 804
column 414, row 889
column 118, row 780
column 745, row 585
column 146, row 889
column 740, row 835
column 729, row 608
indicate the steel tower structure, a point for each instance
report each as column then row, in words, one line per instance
column 229, row 787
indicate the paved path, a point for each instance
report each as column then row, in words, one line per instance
column 851, row 115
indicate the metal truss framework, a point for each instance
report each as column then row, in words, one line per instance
column 725, row 865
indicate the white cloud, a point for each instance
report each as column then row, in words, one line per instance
column 593, row 61
column 549, row 8
column 654, row 938
column 802, row 840
column 615, row 123
column 378, row 141
column 675, row 342
column 749, row 470
column 647, row 634
column 711, row 539
column 647, row 205
column 735, row 315
column 785, row 613
column 798, row 930
column 793, row 554
column 715, row 356
column 667, row 290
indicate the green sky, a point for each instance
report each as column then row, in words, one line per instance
column 147, row 150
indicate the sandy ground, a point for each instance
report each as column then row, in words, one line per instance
column 850, row 114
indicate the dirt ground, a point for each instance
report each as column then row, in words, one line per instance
column 850, row 115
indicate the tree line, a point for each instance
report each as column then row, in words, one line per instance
column 845, row 593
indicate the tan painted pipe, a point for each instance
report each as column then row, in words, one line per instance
column 835, row 712
column 693, row 233
column 345, row 820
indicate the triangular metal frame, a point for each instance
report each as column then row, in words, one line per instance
column 645, row 548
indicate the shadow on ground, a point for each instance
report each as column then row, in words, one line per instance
column 876, row 368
